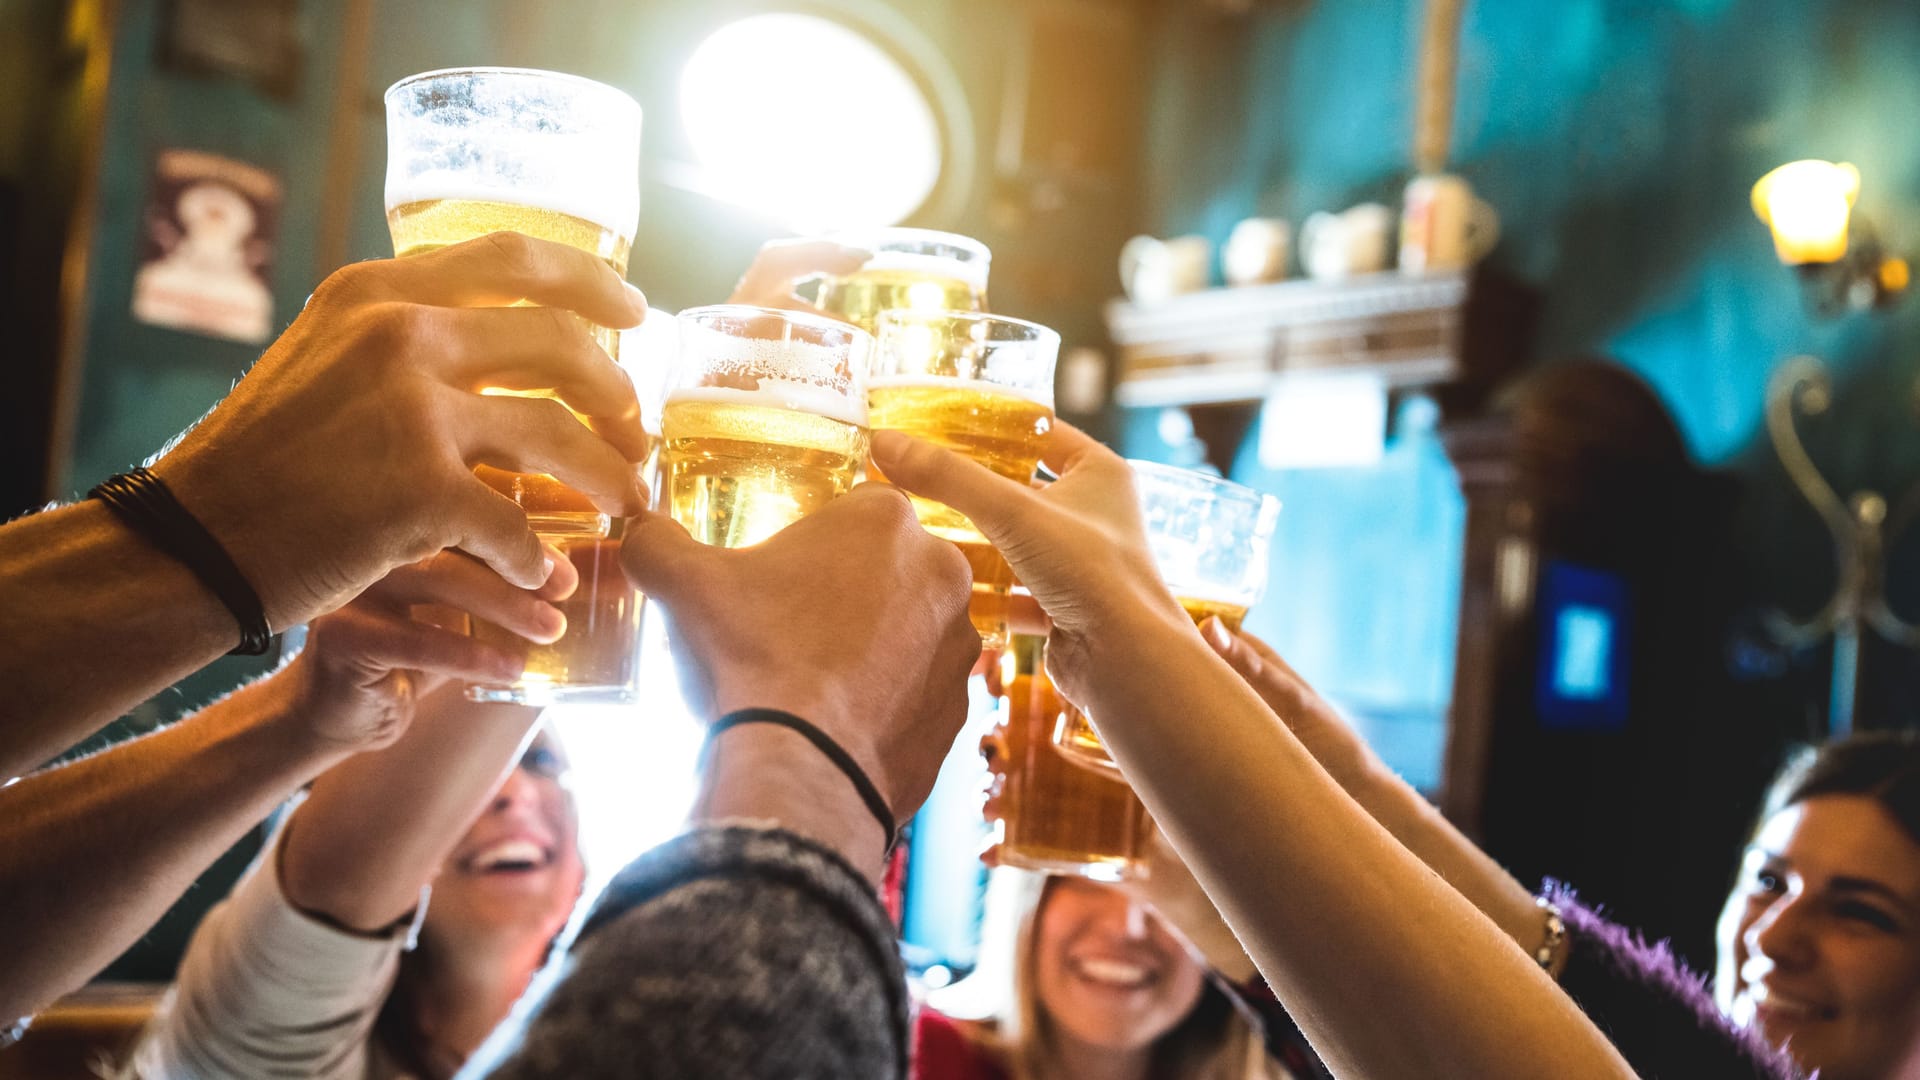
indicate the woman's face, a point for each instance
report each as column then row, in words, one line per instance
column 1107, row 972
column 1820, row 941
column 517, row 872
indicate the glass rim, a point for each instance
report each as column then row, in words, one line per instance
column 954, row 314
column 801, row 318
column 1218, row 486
column 540, row 74
column 909, row 232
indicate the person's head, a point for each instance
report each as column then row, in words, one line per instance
column 1819, row 943
column 1081, row 966
column 513, row 880
column 501, row 899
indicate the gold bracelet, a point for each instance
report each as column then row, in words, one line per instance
column 1548, row 954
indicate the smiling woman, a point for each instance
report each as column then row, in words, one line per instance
column 1820, row 939
column 1081, row 979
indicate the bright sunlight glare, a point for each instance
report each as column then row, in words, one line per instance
column 807, row 121
column 632, row 766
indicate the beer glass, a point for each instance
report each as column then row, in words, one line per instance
column 1054, row 815
column 911, row 269
column 979, row 385
column 765, row 420
column 1209, row 538
column 481, row 150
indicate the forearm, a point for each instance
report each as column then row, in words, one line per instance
column 76, row 586
column 1389, row 970
column 767, row 774
column 376, row 827
column 93, row 853
column 1420, row 827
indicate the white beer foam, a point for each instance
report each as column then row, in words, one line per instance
column 616, row 211
column 974, row 273
column 776, row 393
column 1042, row 398
column 779, row 358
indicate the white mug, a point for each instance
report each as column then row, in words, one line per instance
column 1354, row 241
column 1444, row 227
column 1153, row 270
column 1256, row 251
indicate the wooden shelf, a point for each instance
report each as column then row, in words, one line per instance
column 1232, row 345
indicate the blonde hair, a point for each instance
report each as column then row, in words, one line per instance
column 999, row 1009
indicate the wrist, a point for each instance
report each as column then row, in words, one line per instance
column 1128, row 634
column 230, row 524
column 271, row 717
column 325, row 714
column 190, row 607
column 762, row 772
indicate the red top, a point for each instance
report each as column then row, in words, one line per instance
column 942, row 1051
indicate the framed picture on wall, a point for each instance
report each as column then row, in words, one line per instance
column 206, row 248
column 256, row 41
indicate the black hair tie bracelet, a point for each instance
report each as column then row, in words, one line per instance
column 876, row 803
column 140, row 500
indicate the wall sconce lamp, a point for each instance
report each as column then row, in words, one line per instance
column 1809, row 207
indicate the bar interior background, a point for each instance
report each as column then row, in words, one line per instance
column 1600, row 450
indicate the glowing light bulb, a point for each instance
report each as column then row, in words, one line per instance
column 1806, row 204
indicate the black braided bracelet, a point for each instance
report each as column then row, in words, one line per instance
column 144, row 503
column 876, row 803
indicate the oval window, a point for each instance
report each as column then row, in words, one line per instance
column 808, row 121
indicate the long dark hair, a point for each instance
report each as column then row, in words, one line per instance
column 1881, row 765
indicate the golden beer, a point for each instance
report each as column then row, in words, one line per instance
column 425, row 225
column 598, row 648
column 1003, row 429
column 740, row 465
column 476, row 151
column 1054, row 816
column 1076, row 737
column 601, row 645
column 911, row 284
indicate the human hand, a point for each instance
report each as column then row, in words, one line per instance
column 773, row 278
column 1319, row 727
column 852, row 618
column 349, row 448
column 366, row 665
column 1078, row 544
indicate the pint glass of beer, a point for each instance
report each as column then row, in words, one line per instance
column 911, row 269
column 765, row 420
column 1209, row 538
column 1054, row 815
column 482, row 150
column 979, row 385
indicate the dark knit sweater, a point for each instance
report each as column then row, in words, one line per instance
column 728, row 953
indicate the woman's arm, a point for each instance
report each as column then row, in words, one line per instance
column 92, row 853
column 1401, row 810
column 1390, row 971
column 376, row 827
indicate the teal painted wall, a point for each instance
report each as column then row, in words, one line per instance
column 1618, row 139
column 141, row 384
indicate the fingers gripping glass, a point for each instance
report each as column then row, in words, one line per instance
column 979, row 385
column 1210, row 539
column 482, row 150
